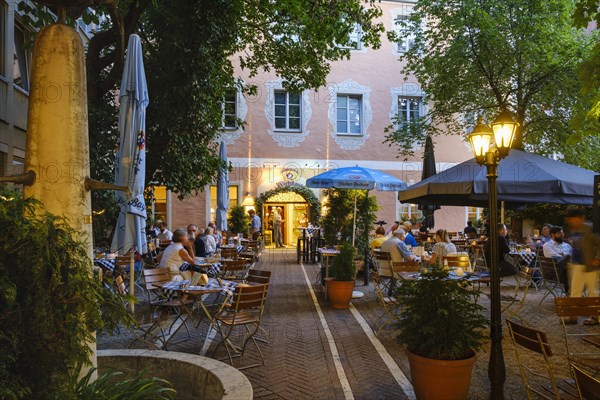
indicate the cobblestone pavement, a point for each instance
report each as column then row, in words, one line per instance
column 304, row 360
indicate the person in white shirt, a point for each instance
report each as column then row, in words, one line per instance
column 209, row 241
column 165, row 234
column 175, row 254
column 561, row 252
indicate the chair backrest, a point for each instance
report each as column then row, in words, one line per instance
column 548, row 269
column 383, row 259
column 405, row 266
column 229, row 253
column 249, row 297
column 233, row 265
column 577, row 306
column 164, row 244
column 155, row 275
column 461, row 261
column 587, row 386
column 530, row 338
column 259, row 276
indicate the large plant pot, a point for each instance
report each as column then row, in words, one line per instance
column 440, row 379
column 339, row 293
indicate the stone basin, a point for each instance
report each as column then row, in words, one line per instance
column 192, row 376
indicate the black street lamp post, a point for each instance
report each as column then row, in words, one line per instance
column 489, row 153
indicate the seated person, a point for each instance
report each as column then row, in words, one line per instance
column 210, row 243
column 379, row 238
column 409, row 240
column 560, row 251
column 216, row 234
column 506, row 268
column 543, row 239
column 470, row 231
column 175, row 254
column 199, row 247
column 442, row 247
column 389, row 231
column 397, row 248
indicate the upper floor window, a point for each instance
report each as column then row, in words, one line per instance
column 229, row 110
column 409, row 108
column 355, row 38
column 2, row 36
column 20, row 58
column 287, row 110
column 406, row 41
column 349, row 114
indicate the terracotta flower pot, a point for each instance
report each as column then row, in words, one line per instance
column 339, row 293
column 440, row 379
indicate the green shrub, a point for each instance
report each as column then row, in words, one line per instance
column 50, row 303
column 439, row 318
column 342, row 267
column 239, row 221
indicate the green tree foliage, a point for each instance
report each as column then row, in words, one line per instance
column 189, row 50
column 477, row 58
column 238, row 221
column 338, row 219
column 50, row 304
column 587, row 121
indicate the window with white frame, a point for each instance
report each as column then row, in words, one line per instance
column 406, row 41
column 20, row 58
column 410, row 212
column 229, row 110
column 355, row 38
column 409, row 108
column 349, row 114
column 287, row 110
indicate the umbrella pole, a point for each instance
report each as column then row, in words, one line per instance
column 354, row 221
column 366, row 267
column 502, row 211
column 131, row 281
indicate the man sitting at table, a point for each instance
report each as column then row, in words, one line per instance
column 397, row 248
column 561, row 252
column 506, row 268
column 175, row 254
column 409, row 240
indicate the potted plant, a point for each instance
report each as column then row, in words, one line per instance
column 442, row 327
column 238, row 221
column 343, row 272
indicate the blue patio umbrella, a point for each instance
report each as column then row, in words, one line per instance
column 359, row 178
column 130, row 165
column 222, row 191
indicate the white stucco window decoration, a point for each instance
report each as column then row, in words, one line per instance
column 349, row 114
column 288, row 114
column 408, row 102
column 233, row 107
column 408, row 41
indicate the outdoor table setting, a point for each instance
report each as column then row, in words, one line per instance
column 523, row 254
column 223, row 290
column 454, row 274
column 327, row 255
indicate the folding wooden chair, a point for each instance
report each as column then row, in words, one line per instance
column 517, row 301
column 246, row 310
column 458, row 261
column 383, row 262
column 388, row 304
column 399, row 267
column 479, row 262
column 234, row 269
column 123, row 267
column 578, row 351
column 153, row 276
column 258, row 276
column 229, row 253
column 587, row 385
column 536, row 370
column 550, row 278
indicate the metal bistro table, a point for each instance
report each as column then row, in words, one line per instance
column 214, row 286
column 327, row 256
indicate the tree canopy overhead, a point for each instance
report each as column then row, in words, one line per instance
column 477, row 58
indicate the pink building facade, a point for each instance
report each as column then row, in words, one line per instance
column 289, row 137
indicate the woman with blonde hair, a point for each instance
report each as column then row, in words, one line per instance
column 442, row 247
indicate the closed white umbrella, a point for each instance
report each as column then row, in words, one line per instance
column 130, row 166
